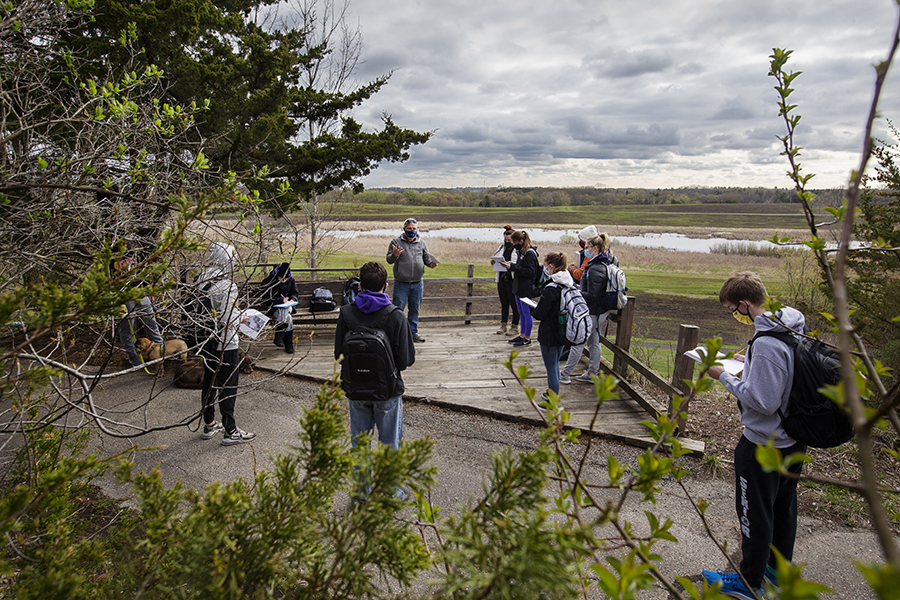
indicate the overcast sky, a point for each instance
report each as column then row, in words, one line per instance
column 622, row 93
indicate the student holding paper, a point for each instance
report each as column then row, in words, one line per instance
column 280, row 288
column 504, row 284
column 525, row 273
column 766, row 501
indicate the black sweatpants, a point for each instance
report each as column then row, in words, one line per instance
column 220, row 382
column 507, row 299
column 766, row 506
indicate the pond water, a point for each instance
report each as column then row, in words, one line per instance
column 672, row 241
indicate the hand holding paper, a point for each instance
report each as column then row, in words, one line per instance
column 731, row 365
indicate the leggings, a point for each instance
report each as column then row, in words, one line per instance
column 525, row 316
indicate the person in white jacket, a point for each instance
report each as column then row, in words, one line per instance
column 220, row 352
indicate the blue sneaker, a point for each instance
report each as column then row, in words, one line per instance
column 771, row 575
column 732, row 586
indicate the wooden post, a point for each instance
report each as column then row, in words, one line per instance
column 470, row 291
column 688, row 338
column 623, row 338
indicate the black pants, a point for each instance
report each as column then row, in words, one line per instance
column 220, row 381
column 766, row 505
column 507, row 299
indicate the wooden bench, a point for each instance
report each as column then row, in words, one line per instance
column 304, row 318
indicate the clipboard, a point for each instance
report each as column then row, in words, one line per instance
column 286, row 304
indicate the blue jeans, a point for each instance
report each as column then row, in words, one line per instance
column 387, row 416
column 409, row 293
column 551, row 356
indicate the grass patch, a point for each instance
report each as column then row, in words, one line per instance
column 747, row 249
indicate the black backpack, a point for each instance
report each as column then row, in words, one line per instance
column 198, row 318
column 813, row 419
column 368, row 371
column 322, row 300
column 351, row 290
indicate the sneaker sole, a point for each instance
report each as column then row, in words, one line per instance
column 233, row 442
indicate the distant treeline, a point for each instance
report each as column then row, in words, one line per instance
column 510, row 197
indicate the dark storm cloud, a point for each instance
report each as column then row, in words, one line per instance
column 636, row 93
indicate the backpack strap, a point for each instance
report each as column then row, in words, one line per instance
column 353, row 316
column 786, row 337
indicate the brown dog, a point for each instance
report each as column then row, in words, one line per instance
column 152, row 351
column 189, row 374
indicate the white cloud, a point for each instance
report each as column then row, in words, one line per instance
column 636, row 93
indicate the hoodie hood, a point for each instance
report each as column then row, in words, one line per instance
column 369, row 302
column 219, row 261
column 791, row 317
column 563, row 278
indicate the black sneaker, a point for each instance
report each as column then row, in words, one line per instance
column 418, row 339
column 522, row 342
column 237, row 437
column 515, row 339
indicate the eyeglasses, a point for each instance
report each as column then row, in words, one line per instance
column 410, row 221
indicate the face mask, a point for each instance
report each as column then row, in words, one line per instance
column 546, row 271
column 587, row 253
column 411, row 233
column 744, row 319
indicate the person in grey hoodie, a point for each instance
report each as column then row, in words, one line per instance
column 220, row 352
column 766, row 503
column 409, row 254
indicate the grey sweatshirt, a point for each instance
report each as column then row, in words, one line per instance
column 223, row 293
column 766, row 383
column 409, row 267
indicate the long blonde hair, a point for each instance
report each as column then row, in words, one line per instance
column 600, row 241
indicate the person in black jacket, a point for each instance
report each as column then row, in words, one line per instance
column 525, row 273
column 387, row 416
column 547, row 312
column 505, row 285
column 593, row 288
column 279, row 287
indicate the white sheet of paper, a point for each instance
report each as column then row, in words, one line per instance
column 254, row 325
column 529, row 302
column 735, row 367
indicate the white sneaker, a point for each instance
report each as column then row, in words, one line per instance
column 210, row 431
column 585, row 377
column 564, row 377
column 237, row 437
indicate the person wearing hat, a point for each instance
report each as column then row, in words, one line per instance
column 409, row 254
column 279, row 287
column 576, row 269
